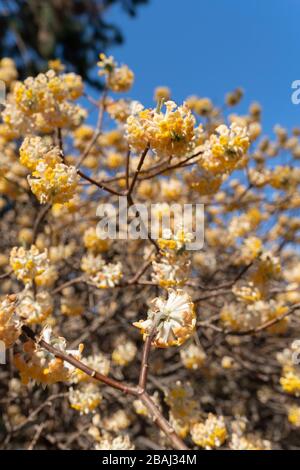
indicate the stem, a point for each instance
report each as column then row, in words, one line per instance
column 139, row 392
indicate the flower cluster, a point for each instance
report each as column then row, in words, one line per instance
column 173, row 319
column 85, row 399
column 118, row 79
column 51, row 181
column 9, row 325
column 172, row 133
column 225, row 148
column 42, row 366
column 28, row 264
column 210, row 434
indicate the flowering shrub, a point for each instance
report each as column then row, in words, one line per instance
column 217, row 362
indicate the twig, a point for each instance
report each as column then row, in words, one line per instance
column 98, row 184
column 42, row 214
column 136, row 391
column 97, row 132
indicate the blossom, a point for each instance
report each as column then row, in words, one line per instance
column 171, row 271
column 224, row 149
column 91, row 263
column 93, row 241
column 109, row 276
column 42, row 366
column 117, row 421
column 34, row 309
column 124, row 352
column 118, row 79
column 240, row 317
column 85, row 399
column 294, row 415
column 203, row 181
column 9, row 324
column 192, row 356
column 36, row 149
column 290, row 380
column 174, row 319
column 27, row 264
column 210, row 434
column 172, row 133
column 119, row 110
column 8, row 70
column 201, row 106
column 162, row 93
column 184, row 409
column 122, row 442
column 248, row 442
column 54, row 184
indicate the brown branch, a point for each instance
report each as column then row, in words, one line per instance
column 139, row 167
column 265, row 325
column 42, row 214
column 98, row 184
column 136, row 391
column 78, row 364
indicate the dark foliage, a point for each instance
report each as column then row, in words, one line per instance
column 34, row 31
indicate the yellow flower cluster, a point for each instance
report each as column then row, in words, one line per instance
column 184, row 409
column 192, row 357
column 290, row 380
column 285, row 178
column 124, row 351
column 9, row 325
column 224, row 149
column 94, row 242
column 109, row 275
column 36, row 149
column 43, row 367
column 121, row 442
column 52, row 181
column 171, row 134
column 294, row 415
column 173, row 266
column 119, row 110
column 248, row 442
column 34, row 309
column 290, row 376
column 85, row 399
column 44, row 103
column 28, row 264
column 55, row 184
column 118, row 79
column 174, row 319
column 8, row 71
column 241, row 317
column 210, row 434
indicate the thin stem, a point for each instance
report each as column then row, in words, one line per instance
column 139, row 167
column 97, row 132
column 98, row 184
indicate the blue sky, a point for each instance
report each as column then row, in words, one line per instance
column 209, row 47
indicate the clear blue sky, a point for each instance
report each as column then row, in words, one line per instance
column 209, row 47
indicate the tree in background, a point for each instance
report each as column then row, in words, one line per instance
column 72, row 30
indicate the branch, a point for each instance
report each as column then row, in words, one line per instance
column 137, row 391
